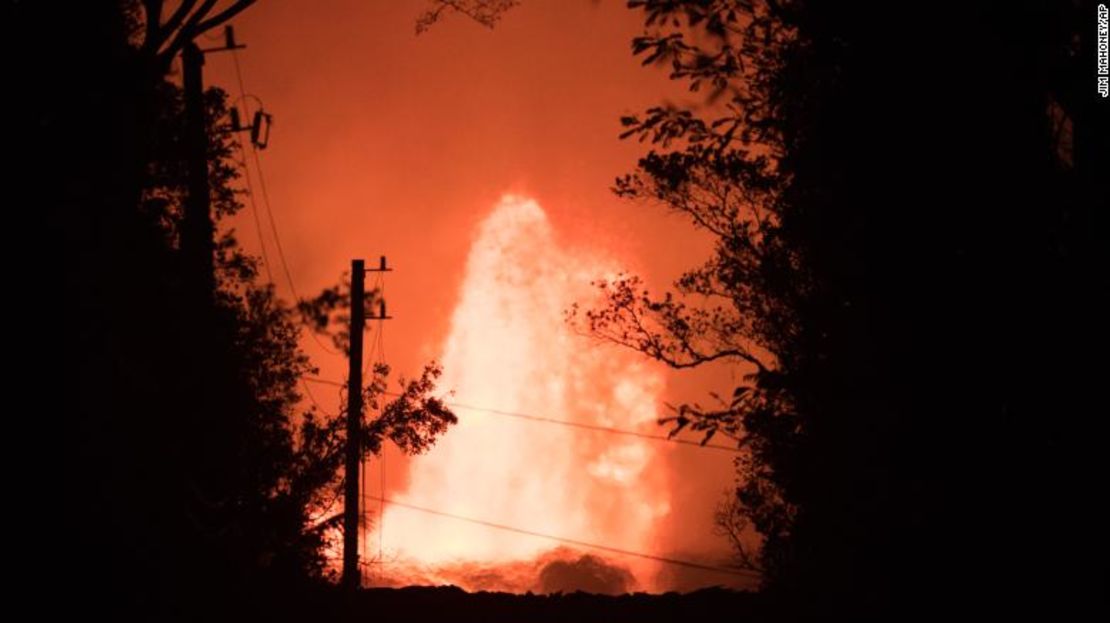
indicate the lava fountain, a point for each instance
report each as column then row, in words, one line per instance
column 510, row 350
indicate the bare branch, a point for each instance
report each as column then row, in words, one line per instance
column 153, row 16
column 164, row 31
column 224, row 16
column 485, row 12
column 196, row 24
column 731, row 521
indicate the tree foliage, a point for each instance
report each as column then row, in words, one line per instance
column 292, row 459
column 413, row 419
column 197, row 477
column 873, row 244
column 718, row 166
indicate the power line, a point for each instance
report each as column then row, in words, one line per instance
column 362, row 510
column 381, row 504
column 270, row 212
column 369, row 358
column 547, row 420
column 374, row 356
column 593, row 427
column 312, row 399
column 254, row 213
column 247, row 176
column 380, row 349
column 376, row 353
column 606, row 548
column 316, row 379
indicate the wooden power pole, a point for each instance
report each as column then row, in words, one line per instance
column 352, row 577
column 352, row 574
column 198, row 230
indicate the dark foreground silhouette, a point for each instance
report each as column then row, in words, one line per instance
column 450, row 603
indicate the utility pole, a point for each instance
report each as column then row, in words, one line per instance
column 352, row 576
column 197, row 229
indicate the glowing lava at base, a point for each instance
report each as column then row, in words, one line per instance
column 510, row 350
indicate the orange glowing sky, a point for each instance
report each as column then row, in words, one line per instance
column 385, row 143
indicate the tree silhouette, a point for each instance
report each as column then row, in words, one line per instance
column 413, row 419
column 192, row 477
column 875, row 246
column 718, row 167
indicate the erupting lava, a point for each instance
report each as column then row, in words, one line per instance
column 510, row 349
